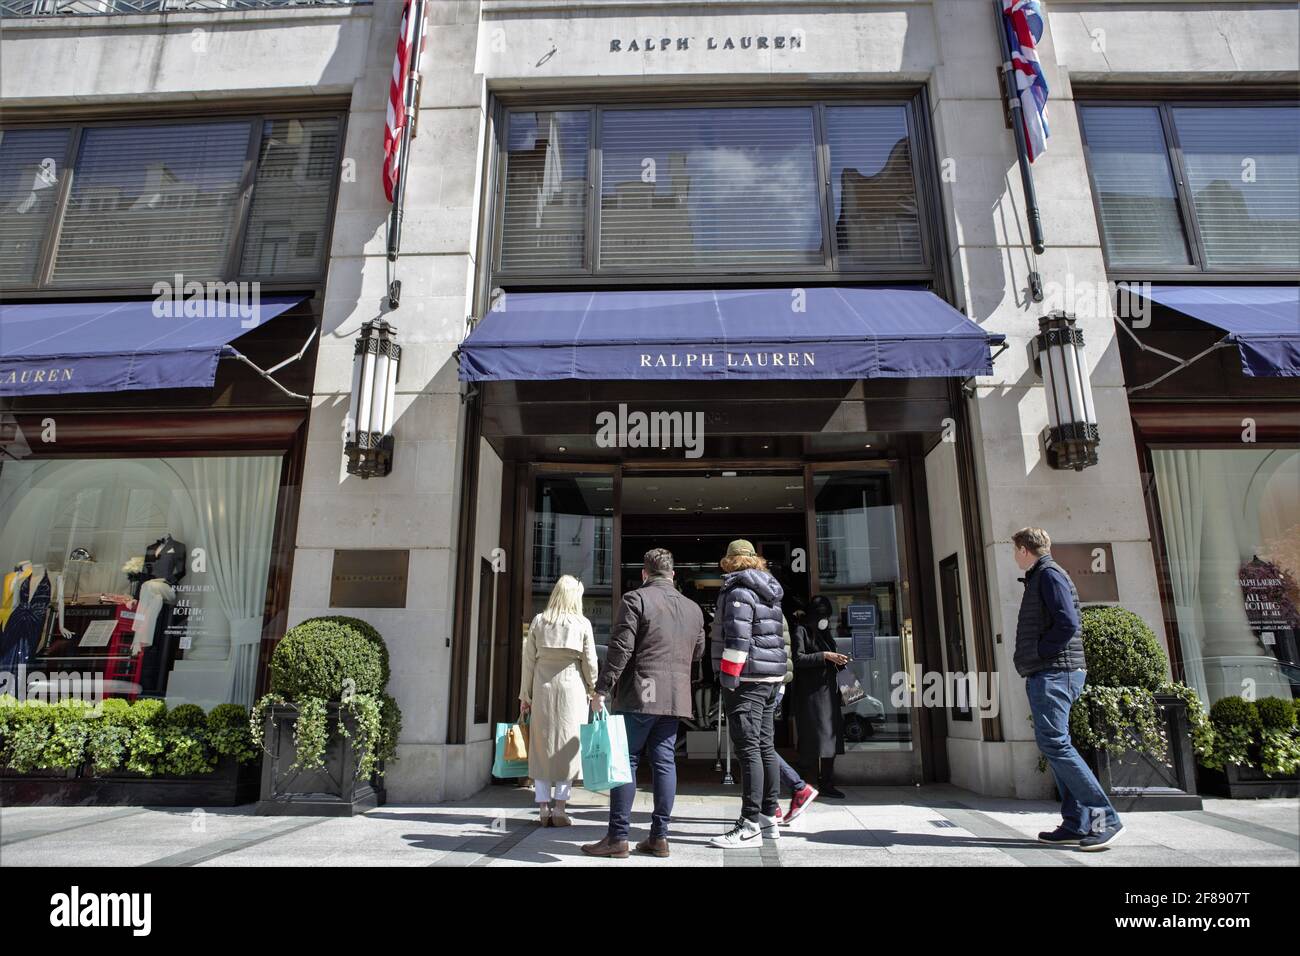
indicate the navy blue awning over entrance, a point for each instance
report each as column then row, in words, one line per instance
column 59, row 348
column 1262, row 321
column 812, row 333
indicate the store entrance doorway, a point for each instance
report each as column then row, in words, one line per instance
column 695, row 515
column 838, row 529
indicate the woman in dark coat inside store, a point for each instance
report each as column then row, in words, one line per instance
column 815, row 695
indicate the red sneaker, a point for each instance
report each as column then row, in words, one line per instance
column 777, row 815
column 800, row 801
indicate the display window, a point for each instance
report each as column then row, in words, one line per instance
column 149, row 575
column 1230, row 521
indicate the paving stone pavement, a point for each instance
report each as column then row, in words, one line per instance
column 935, row 825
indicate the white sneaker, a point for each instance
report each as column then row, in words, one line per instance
column 770, row 827
column 743, row 833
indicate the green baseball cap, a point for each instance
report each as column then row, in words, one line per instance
column 741, row 547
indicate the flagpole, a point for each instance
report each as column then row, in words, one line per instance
column 1012, row 97
column 411, row 107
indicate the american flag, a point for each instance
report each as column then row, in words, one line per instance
column 398, row 108
column 1024, row 24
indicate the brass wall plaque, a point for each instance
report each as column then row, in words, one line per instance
column 369, row 578
column 1092, row 569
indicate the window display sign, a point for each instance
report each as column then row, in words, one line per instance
column 1269, row 594
column 862, row 621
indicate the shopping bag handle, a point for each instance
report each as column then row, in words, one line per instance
column 601, row 714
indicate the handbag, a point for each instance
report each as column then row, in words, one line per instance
column 503, row 768
column 851, row 690
column 517, row 740
column 605, row 760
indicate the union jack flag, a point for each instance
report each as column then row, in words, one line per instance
column 1023, row 20
column 405, row 62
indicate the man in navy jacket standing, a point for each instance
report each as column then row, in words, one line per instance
column 1049, row 655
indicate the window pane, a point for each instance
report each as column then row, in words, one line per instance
column 573, row 533
column 545, row 225
column 1243, row 171
column 148, row 202
column 140, row 521
column 291, row 197
column 874, row 194
column 859, row 572
column 1134, row 186
column 701, row 188
column 31, row 167
column 1231, row 523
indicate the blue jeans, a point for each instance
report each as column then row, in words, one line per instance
column 1085, row 807
column 656, row 735
column 789, row 776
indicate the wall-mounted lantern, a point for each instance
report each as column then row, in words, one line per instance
column 368, row 430
column 1072, row 437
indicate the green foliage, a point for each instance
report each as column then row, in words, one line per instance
column 228, row 734
column 143, row 737
column 367, row 631
column 1276, row 713
column 390, row 720
column 325, row 659
column 1118, row 710
column 1121, row 650
column 333, row 660
column 1261, row 734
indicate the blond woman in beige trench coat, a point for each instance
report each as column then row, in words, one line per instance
column 559, row 673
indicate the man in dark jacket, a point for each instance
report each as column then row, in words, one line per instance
column 658, row 635
column 1049, row 655
column 752, row 670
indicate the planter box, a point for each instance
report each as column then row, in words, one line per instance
column 229, row 785
column 1137, row 781
column 1246, row 783
column 332, row 790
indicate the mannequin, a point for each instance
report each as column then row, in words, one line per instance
column 164, row 566
column 26, row 619
column 10, row 589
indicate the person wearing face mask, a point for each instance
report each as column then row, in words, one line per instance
column 815, row 700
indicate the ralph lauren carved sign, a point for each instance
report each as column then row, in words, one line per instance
column 793, row 41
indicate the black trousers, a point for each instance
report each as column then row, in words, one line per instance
column 751, row 709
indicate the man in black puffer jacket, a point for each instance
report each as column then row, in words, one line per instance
column 1049, row 655
column 752, row 669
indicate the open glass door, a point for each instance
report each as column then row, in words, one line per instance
column 574, row 529
column 858, row 561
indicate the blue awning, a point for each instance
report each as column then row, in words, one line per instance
column 1262, row 321
column 59, row 348
column 813, row 333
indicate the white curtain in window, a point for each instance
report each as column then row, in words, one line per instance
column 235, row 504
column 1180, row 485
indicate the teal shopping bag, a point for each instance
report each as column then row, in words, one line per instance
column 501, row 767
column 605, row 761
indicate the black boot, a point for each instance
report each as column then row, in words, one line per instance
column 826, row 779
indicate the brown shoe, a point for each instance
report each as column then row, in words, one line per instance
column 616, row 851
column 559, row 819
column 655, row 846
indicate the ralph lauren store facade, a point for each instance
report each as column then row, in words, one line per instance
column 671, row 273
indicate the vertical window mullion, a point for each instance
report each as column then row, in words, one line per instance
column 919, row 183
column 823, row 149
column 1187, row 208
column 235, row 254
column 45, row 268
column 595, row 157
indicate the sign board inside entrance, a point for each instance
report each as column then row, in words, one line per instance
column 1092, row 569
column 375, row 578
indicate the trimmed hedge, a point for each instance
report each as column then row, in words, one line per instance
column 318, row 656
column 1121, row 650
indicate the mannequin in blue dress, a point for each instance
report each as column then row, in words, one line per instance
column 23, row 629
